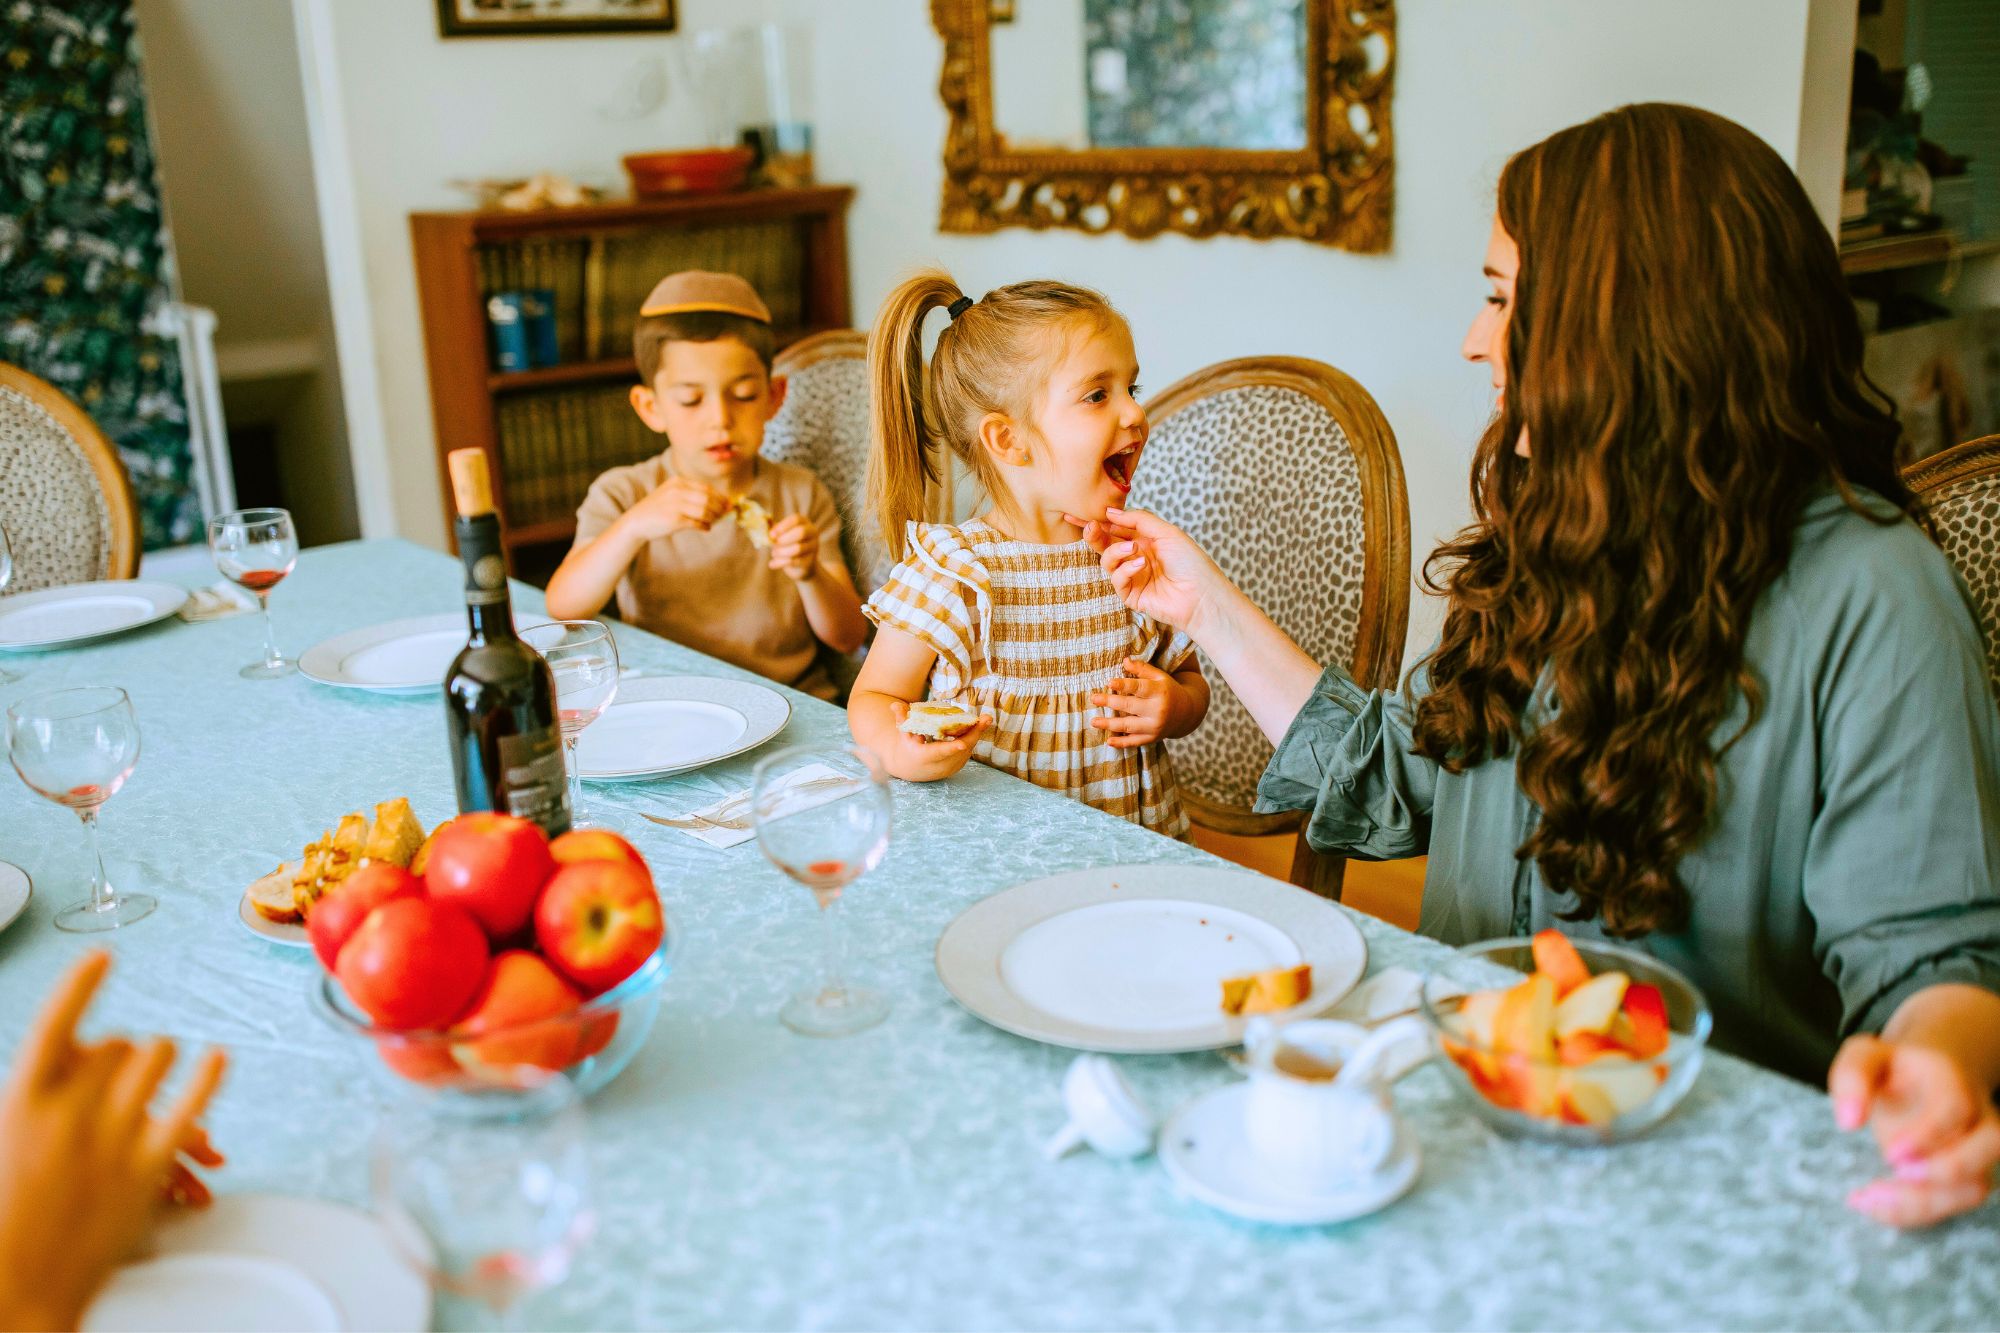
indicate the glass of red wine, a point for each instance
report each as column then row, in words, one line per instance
column 255, row 548
column 822, row 817
column 76, row 748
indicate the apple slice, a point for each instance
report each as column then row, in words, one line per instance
column 1557, row 959
column 1580, row 1048
column 1646, row 1009
column 1591, row 1006
column 1537, row 1087
column 1625, row 1084
column 1588, row 1101
column 1524, row 1022
column 1476, row 1014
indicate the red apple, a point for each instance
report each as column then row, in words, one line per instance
column 597, row 1034
column 419, row 1059
column 596, row 844
column 522, row 1003
column 491, row 865
column 413, row 963
column 597, row 921
column 340, row 913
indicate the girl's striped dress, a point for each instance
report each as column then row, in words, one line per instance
column 1027, row 633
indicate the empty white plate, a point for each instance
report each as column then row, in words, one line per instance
column 1205, row 1150
column 1130, row 959
column 402, row 656
column 15, row 890
column 219, row 1293
column 667, row 724
column 53, row 617
column 350, row 1255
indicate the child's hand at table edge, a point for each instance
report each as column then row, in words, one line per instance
column 1939, row 1133
column 1146, row 705
column 795, row 547
column 84, row 1197
column 915, row 759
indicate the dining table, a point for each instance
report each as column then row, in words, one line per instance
column 745, row 1177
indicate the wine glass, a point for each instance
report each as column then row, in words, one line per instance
column 822, row 817
column 584, row 659
column 256, row 548
column 77, row 747
column 7, row 675
column 486, row 1191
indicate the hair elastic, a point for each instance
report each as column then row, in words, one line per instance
column 959, row 307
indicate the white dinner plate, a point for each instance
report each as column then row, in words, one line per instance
column 1205, row 1150
column 350, row 1255
column 291, row 934
column 399, row 657
column 80, row 612
column 1130, row 959
column 211, row 1293
column 668, row 724
column 15, row 890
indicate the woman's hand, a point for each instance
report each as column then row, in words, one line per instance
column 84, row 1164
column 1937, row 1129
column 1158, row 569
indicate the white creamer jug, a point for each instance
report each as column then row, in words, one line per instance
column 1318, row 1112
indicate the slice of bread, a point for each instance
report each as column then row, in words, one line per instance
column 939, row 721
column 1267, row 992
column 754, row 519
column 394, row 835
column 273, row 898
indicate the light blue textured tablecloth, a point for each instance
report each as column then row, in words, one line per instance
column 750, row 1178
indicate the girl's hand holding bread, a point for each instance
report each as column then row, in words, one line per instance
column 919, row 759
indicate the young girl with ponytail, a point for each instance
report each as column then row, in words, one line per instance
column 1034, row 389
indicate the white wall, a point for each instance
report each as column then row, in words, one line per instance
column 1475, row 81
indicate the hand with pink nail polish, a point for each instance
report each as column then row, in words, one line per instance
column 1936, row 1126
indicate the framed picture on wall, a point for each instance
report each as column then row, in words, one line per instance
column 525, row 18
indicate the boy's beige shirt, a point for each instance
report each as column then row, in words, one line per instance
column 714, row 591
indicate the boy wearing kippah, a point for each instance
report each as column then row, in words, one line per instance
column 708, row 544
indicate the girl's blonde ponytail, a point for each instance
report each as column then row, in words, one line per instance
column 903, row 470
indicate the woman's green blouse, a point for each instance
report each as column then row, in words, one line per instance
column 1856, row 839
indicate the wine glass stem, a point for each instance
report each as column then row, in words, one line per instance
column 575, row 777
column 271, row 654
column 833, row 951
column 100, row 884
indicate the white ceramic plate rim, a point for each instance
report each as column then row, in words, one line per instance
column 1391, row 1182
column 13, row 879
column 321, row 662
column 765, row 713
column 189, row 1273
column 970, row 950
column 394, row 1296
column 291, row 934
column 167, row 598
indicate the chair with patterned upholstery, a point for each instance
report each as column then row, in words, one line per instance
column 1958, row 498
column 823, row 426
column 1287, row 474
column 65, row 500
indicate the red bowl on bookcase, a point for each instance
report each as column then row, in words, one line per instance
column 692, row 171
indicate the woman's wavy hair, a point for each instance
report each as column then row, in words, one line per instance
column 1685, row 366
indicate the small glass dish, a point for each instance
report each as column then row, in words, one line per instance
column 1494, row 1082
column 589, row 1045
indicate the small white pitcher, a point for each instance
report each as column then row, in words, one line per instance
column 1323, row 1131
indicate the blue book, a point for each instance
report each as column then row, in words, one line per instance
column 538, row 317
column 509, row 333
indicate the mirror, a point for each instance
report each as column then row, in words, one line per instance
column 1250, row 117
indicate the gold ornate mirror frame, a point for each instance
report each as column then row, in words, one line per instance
column 1337, row 190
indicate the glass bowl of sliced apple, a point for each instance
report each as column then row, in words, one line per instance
column 1597, row 1044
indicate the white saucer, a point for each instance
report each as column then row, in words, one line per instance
column 1206, row 1152
column 350, row 1255
column 53, row 617
column 291, row 934
column 669, row 724
column 217, row 1293
column 15, row 890
column 400, row 657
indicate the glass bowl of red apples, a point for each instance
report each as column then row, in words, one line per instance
column 499, row 958
column 1597, row 1044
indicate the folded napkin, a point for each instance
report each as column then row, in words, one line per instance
column 217, row 601
column 736, row 805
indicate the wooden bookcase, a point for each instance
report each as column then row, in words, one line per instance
column 548, row 431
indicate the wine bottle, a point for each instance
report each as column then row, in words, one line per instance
column 499, row 695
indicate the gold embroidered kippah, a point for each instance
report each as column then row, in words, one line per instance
column 695, row 292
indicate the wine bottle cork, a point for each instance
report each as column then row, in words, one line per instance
column 471, row 486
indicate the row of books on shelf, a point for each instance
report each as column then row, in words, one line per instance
column 553, row 444
column 594, row 286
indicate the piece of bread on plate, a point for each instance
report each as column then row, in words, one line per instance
column 936, row 720
column 394, row 835
column 273, row 898
column 1267, row 992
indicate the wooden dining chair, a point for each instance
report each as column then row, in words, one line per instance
column 1288, row 475
column 1958, row 500
column 65, row 501
column 823, row 426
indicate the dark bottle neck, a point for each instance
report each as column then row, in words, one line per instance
column 487, row 607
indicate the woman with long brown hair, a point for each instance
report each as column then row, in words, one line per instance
column 1702, row 685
